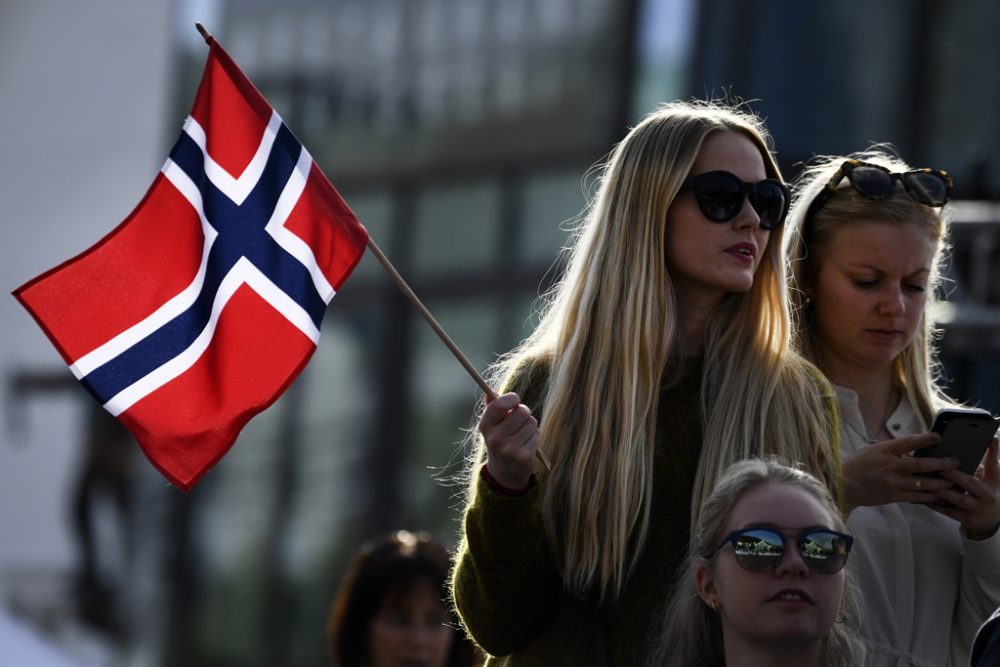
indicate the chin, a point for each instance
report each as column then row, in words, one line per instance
column 883, row 359
column 739, row 286
column 800, row 630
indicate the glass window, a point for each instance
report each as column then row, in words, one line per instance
column 439, row 378
column 666, row 31
column 335, row 414
column 523, row 316
column 374, row 211
column 456, row 227
column 235, row 506
column 446, row 396
column 551, row 204
column 963, row 97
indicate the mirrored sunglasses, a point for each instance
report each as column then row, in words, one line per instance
column 929, row 187
column 720, row 196
column 762, row 549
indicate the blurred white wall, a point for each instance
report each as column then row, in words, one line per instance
column 84, row 98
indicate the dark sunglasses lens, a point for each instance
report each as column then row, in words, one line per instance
column 759, row 550
column 770, row 202
column 872, row 182
column 823, row 552
column 719, row 196
column 929, row 189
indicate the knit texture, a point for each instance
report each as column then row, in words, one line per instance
column 506, row 585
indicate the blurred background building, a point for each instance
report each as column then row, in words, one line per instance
column 461, row 133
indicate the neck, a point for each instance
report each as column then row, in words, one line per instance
column 774, row 653
column 692, row 322
column 876, row 390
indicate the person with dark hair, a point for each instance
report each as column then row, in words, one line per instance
column 391, row 610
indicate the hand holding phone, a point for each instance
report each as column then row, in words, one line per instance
column 965, row 433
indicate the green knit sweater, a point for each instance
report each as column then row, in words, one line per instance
column 506, row 586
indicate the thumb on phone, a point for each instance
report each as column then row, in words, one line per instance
column 989, row 469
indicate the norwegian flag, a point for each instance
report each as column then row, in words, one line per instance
column 197, row 311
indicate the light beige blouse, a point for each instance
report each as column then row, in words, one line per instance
column 924, row 587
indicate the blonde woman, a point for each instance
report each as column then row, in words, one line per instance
column 661, row 357
column 765, row 582
column 868, row 236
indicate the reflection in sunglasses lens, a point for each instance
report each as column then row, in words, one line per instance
column 824, row 552
column 760, row 550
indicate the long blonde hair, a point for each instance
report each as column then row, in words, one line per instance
column 692, row 635
column 607, row 330
column 916, row 369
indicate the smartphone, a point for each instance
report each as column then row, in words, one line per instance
column 965, row 435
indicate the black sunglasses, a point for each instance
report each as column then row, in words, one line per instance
column 930, row 187
column 720, row 196
column 762, row 549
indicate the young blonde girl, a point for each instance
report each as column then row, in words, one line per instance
column 708, row 604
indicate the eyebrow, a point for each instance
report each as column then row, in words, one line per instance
column 787, row 530
column 869, row 267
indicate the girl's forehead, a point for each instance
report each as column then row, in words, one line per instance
column 404, row 592
column 780, row 504
column 900, row 247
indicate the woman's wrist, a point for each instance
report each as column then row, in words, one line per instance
column 503, row 488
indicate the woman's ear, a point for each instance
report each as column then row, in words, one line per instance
column 704, row 582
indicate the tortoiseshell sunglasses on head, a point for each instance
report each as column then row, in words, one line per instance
column 930, row 187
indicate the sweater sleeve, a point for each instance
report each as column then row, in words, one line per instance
column 505, row 585
column 978, row 594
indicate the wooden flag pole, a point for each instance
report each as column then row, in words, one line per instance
column 398, row 279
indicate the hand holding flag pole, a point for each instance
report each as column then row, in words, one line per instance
column 398, row 279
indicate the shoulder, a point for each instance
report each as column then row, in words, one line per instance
column 529, row 379
column 802, row 375
column 815, row 376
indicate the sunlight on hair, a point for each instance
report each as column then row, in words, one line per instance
column 943, row 312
